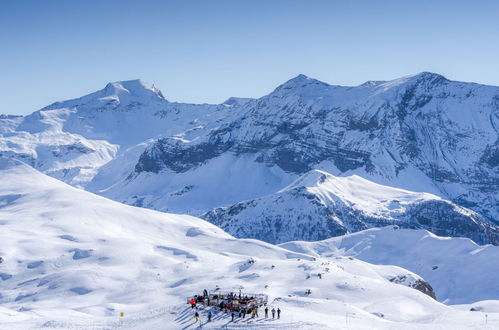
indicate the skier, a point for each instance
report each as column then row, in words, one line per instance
column 273, row 313
column 209, row 316
column 266, row 312
column 278, row 313
column 196, row 316
column 193, row 303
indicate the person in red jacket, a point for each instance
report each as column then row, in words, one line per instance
column 193, row 303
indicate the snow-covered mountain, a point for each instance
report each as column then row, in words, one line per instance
column 319, row 205
column 127, row 142
column 458, row 269
column 421, row 133
column 71, row 140
column 75, row 260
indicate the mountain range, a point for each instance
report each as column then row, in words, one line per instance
column 421, row 133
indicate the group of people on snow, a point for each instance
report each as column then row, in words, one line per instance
column 237, row 305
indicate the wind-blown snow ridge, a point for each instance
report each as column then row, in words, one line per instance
column 372, row 198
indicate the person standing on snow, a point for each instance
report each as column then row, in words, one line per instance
column 266, row 312
column 273, row 313
column 278, row 313
column 193, row 303
column 233, row 313
column 196, row 316
column 209, row 316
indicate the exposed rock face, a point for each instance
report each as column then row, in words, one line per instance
column 418, row 284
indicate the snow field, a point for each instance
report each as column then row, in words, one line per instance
column 74, row 260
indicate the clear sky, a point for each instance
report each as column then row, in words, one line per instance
column 207, row 51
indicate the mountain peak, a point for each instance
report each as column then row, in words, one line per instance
column 428, row 74
column 372, row 83
column 236, row 101
column 427, row 77
column 134, row 87
column 121, row 93
column 300, row 77
column 299, row 81
column 309, row 179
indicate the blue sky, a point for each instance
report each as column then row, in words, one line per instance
column 207, row 51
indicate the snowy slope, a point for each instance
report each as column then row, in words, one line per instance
column 459, row 270
column 76, row 260
column 46, row 146
column 319, row 205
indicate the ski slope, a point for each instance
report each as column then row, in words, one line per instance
column 459, row 270
column 74, row 260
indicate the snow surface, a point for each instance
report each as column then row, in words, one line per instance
column 221, row 181
column 459, row 270
column 74, row 260
column 372, row 198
